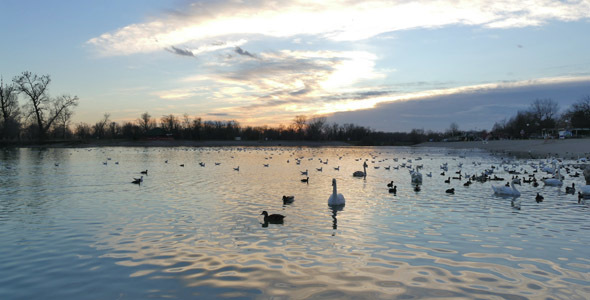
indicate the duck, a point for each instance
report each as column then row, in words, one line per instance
column 319, row 169
column 137, row 180
column 362, row 173
column 390, row 184
column 570, row 190
column 450, row 191
column 182, row 165
column 468, row 183
column 288, row 199
column 237, row 168
column 337, row 168
column 393, row 190
column 273, row 219
column 306, row 180
column 144, row 172
column 539, row 198
column 335, row 198
column 503, row 190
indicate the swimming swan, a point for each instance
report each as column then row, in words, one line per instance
column 335, row 199
column 503, row 190
column 362, row 173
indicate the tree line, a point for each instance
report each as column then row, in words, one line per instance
column 44, row 117
column 541, row 115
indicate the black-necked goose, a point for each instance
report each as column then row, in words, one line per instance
column 273, row 219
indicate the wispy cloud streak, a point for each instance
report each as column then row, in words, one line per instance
column 205, row 22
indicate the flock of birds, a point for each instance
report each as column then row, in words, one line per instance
column 519, row 172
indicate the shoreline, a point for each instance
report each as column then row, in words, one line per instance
column 179, row 143
column 567, row 148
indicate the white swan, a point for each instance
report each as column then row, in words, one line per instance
column 585, row 190
column 362, row 173
column 335, row 199
column 503, row 190
column 555, row 181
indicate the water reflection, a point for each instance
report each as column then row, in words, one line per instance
column 195, row 230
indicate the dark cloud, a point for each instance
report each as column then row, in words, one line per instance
column 182, row 52
column 243, row 52
column 470, row 110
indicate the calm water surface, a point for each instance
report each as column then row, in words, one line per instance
column 73, row 227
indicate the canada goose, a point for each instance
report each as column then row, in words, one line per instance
column 137, row 180
column 306, row 180
column 390, row 184
column 570, row 190
column 448, row 180
column 417, row 188
column 288, row 199
column 539, row 198
column 273, row 219
column 393, row 190
column 144, row 172
column 450, row 191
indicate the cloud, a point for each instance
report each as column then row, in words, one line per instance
column 182, row 52
column 470, row 107
column 243, row 52
column 205, row 23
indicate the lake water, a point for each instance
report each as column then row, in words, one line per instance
column 73, row 227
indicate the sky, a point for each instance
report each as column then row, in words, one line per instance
column 387, row 65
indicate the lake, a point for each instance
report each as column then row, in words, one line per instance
column 73, row 226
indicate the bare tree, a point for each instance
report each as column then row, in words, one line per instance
column 545, row 112
column 9, row 109
column 453, row 129
column 579, row 113
column 63, row 121
column 41, row 107
column 101, row 126
column 146, row 122
column 315, row 128
column 170, row 123
column 299, row 124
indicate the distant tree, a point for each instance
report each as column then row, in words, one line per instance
column 146, row 122
column 43, row 109
column 315, row 128
column 114, row 129
column 64, row 119
column 10, row 111
column 130, row 131
column 170, row 123
column 579, row 113
column 197, row 127
column 100, row 127
column 83, row 131
column 299, row 123
column 453, row 129
column 545, row 112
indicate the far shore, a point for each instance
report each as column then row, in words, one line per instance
column 179, row 143
column 566, row 148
